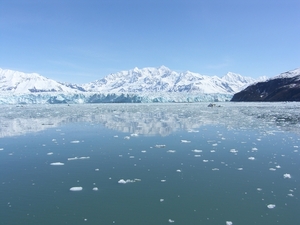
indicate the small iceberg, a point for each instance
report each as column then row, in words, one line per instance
column 57, row 164
column 287, row 176
column 271, row 206
column 76, row 189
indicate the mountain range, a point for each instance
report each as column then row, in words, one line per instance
column 137, row 85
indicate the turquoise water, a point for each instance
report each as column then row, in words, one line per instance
column 183, row 163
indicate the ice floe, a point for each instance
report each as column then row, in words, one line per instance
column 75, row 142
column 197, row 155
column 161, row 200
column 196, row 150
column 76, row 189
column 185, row 141
column 50, row 153
column 272, row 169
column 215, row 169
column 160, row 146
column 287, row 176
column 171, row 221
column 126, row 137
column 251, row 158
column 1, row 149
column 123, row 181
column 178, row 171
column 234, row 150
column 78, row 158
column 57, row 164
column 229, row 223
column 95, row 189
column 254, row 149
column 271, row 206
column 171, row 151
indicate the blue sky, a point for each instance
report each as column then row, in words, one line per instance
column 80, row 41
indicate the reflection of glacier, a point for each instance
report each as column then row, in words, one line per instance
column 151, row 119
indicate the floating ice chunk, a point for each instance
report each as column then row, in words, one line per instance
column 212, row 151
column 196, row 150
column 240, row 168
column 77, row 158
column 251, row 158
column 95, row 189
column 143, row 151
column 179, row 171
column 162, row 181
column 254, row 149
column 215, row 144
column 291, row 195
column 197, row 155
column 134, row 135
column 205, row 160
column 116, row 136
column 97, row 169
column 76, row 189
column 278, row 167
column 131, row 157
column 1, row 149
column 161, row 200
column 160, row 146
column 286, row 175
column 271, row 206
column 171, row 151
column 185, row 141
column 215, row 169
column 272, row 169
column 75, row 142
column 122, row 181
column 171, row 221
column 57, row 164
column 233, row 151
column 259, row 189
column 50, row 153
column 193, row 131
column 229, row 223
column 258, row 139
column 127, row 137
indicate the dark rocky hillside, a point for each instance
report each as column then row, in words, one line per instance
column 278, row 89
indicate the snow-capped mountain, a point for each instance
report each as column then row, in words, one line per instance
column 163, row 79
column 21, row 83
column 137, row 85
column 283, row 87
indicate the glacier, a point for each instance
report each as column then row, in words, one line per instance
column 93, row 97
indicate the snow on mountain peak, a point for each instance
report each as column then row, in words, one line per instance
column 289, row 74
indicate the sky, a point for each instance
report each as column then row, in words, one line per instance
column 79, row 41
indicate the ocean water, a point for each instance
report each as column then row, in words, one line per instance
column 150, row 164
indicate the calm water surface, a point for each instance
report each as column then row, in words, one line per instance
column 150, row 164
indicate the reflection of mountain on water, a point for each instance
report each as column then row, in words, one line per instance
column 150, row 119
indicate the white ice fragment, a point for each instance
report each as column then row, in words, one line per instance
column 196, row 150
column 57, row 164
column 50, row 153
column 215, row 144
column 75, row 142
column 97, row 169
column 254, row 149
column 160, row 146
column 259, row 189
column 131, row 157
column 233, row 151
column 161, row 200
column 286, row 175
column 240, row 168
column 76, row 189
column 193, row 131
column 212, row 151
column 251, row 158
column 291, row 195
column 134, row 135
column 272, row 169
column 185, row 141
column 271, row 206
column 171, row 151
column 205, row 160
column 143, row 151
column 1, row 149
column 122, row 181
column 116, row 136
column 179, row 171
column 162, row 181
column 127, row 137
column 215, row 169
column 95, row 189
column 78, row 158
column 229, row 223
column 197, row 155
column 278, row 167
column 171, row 221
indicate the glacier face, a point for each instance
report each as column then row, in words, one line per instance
column 137, row 85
